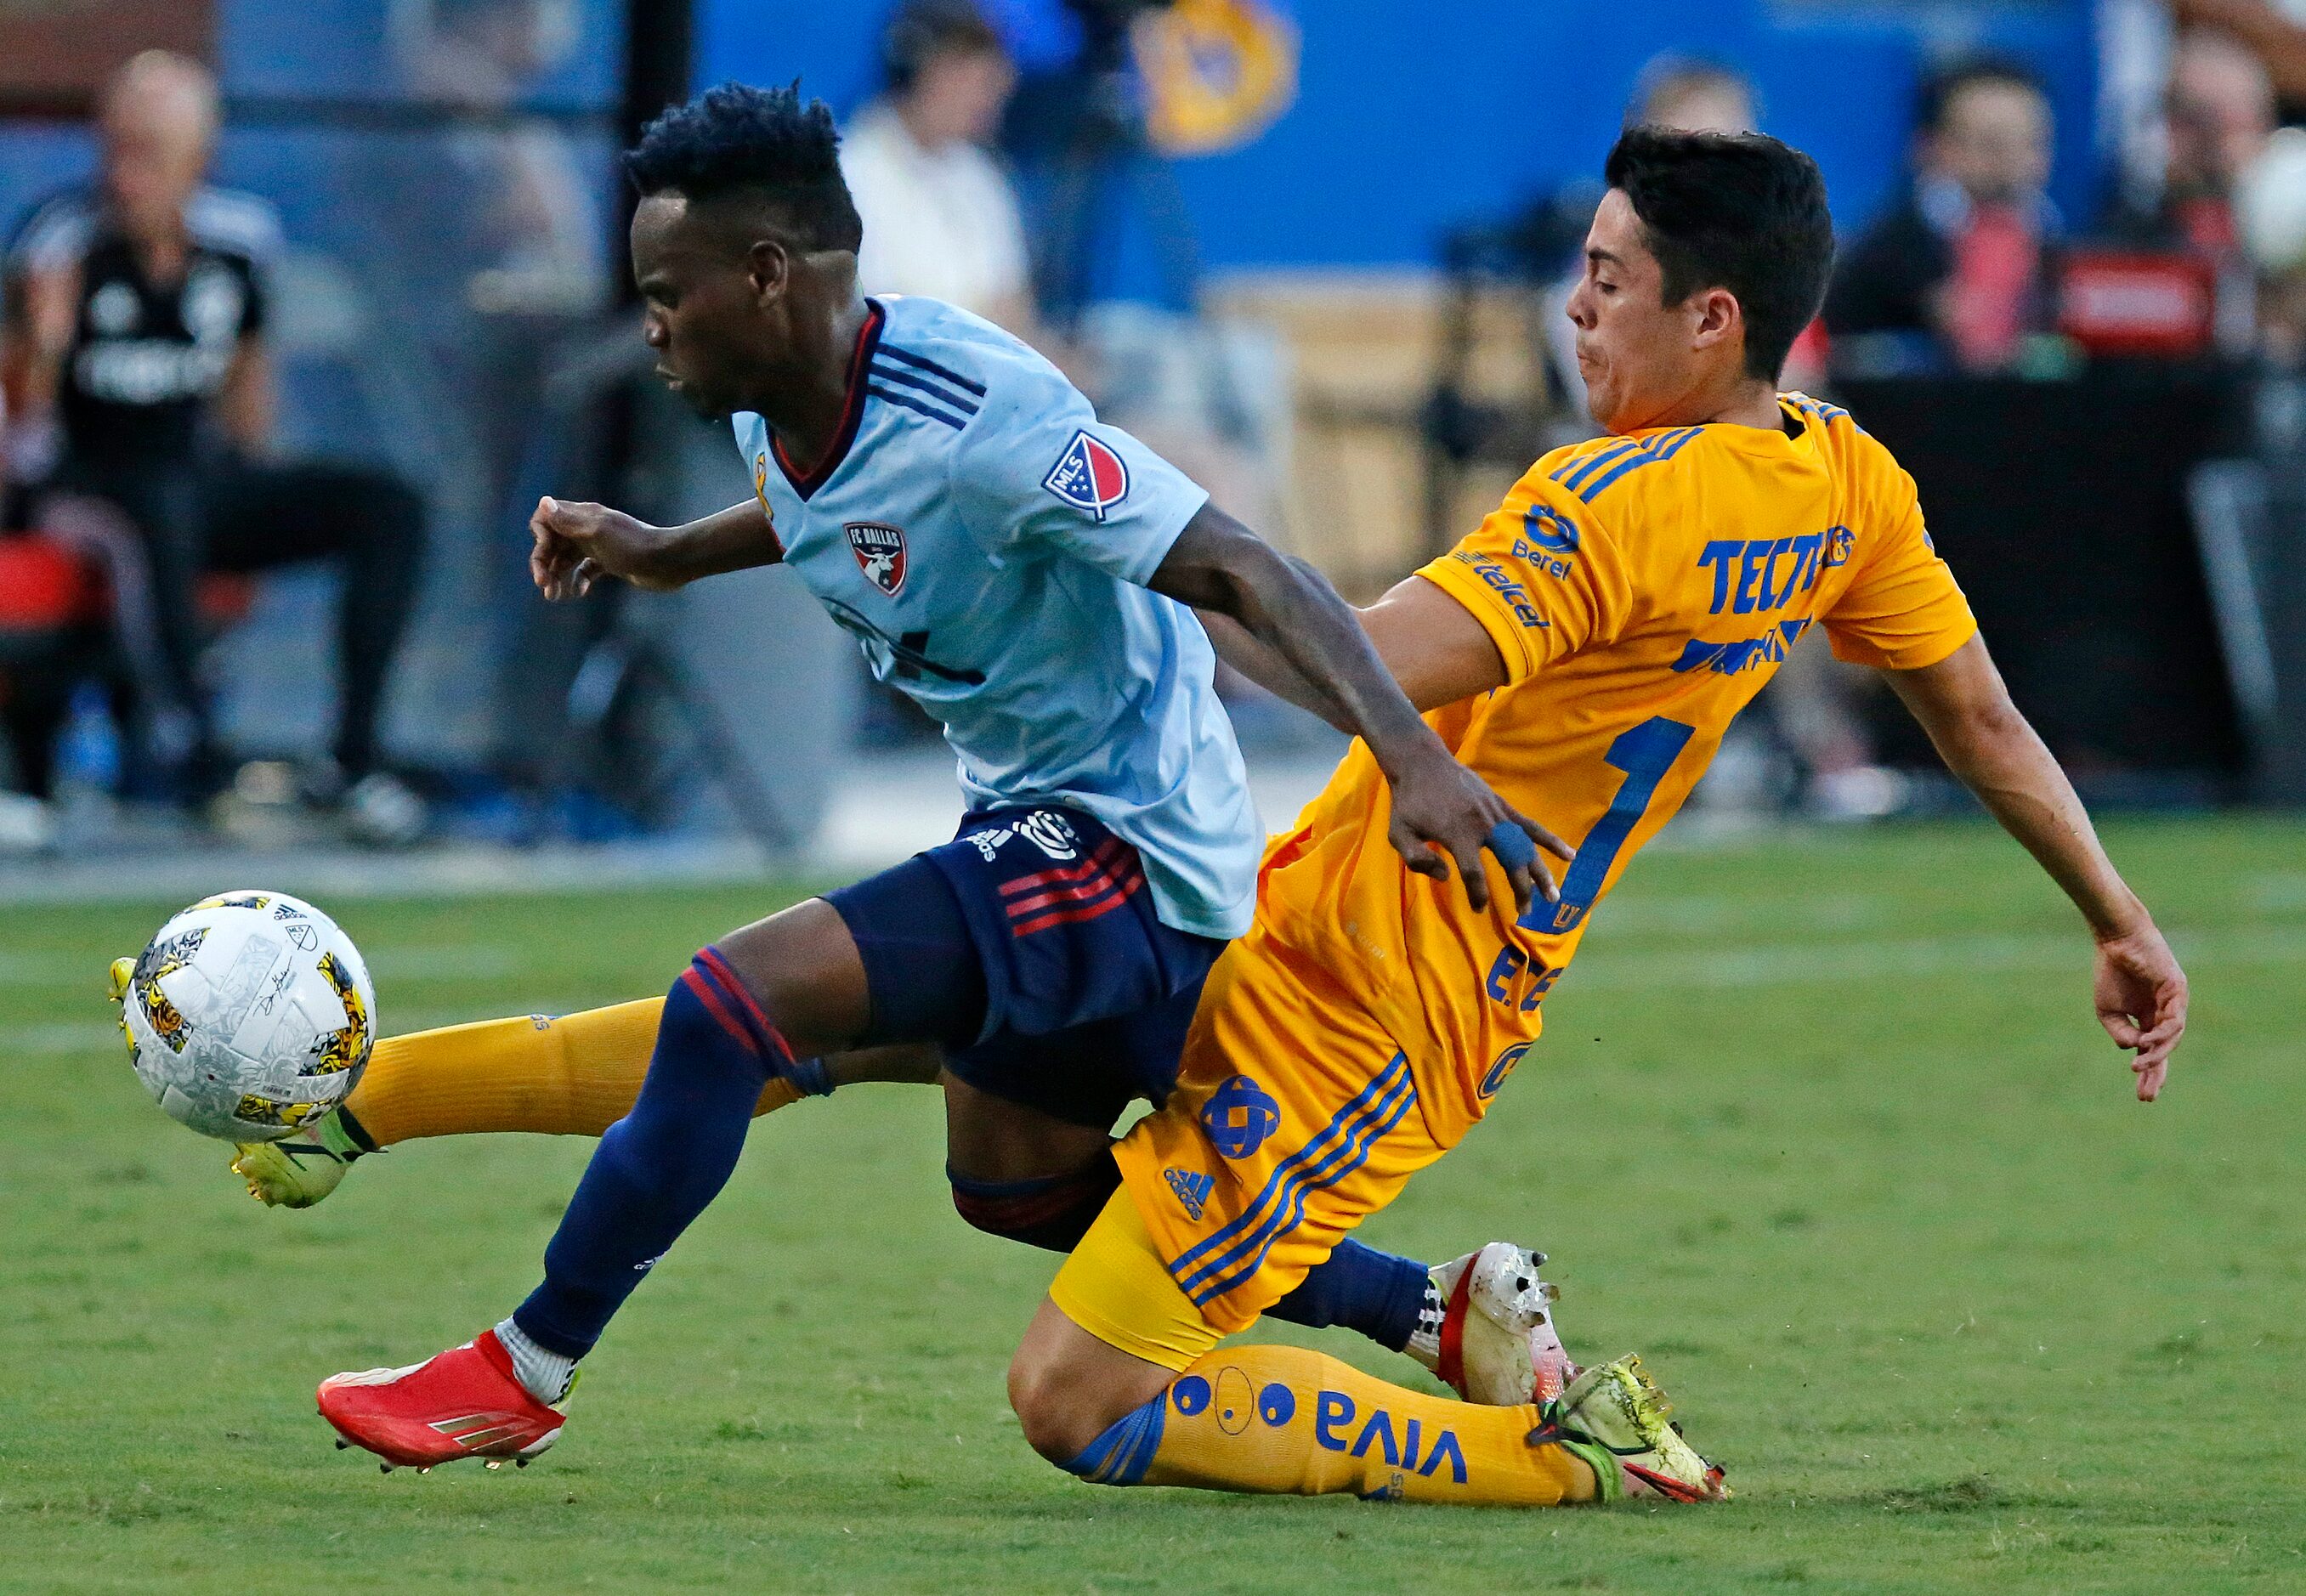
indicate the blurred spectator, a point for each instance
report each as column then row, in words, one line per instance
column 2274, row 32
column 1959, row 272
column 2219, row 117
column 1697, row 96
column 134, row 334
column 940, row 218
column 536, row 230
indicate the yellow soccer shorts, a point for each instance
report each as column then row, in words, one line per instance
column 1112, row 1285
column 1295, row 1117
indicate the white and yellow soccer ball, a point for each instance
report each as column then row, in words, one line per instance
column 250, row 1015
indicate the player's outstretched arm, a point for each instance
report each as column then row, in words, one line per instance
column 1439, row 808
column 577, row 544
column 1430, row 643
column 1964, row 706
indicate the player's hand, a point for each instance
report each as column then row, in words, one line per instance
column 2142, row 1002
column 577, row 544
column 1443, row 812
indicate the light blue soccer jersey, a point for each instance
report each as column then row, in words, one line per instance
column 987, row 541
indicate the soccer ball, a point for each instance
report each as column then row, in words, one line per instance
column 248, row 1016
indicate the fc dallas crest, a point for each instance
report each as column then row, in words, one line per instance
column 880, row 552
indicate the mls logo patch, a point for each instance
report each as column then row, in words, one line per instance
column 1089, row 475
column 879, row 551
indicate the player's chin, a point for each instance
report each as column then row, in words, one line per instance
column 708, row 406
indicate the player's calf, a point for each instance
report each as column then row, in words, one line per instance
column 1280, row 1419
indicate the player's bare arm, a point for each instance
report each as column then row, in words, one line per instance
column 1284, row 606
column 1431, row 644
column 575, row 545
column 2141, row 991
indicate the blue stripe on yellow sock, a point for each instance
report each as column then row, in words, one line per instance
column 1121, row 1454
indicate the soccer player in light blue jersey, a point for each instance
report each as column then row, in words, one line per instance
column 1028, row 576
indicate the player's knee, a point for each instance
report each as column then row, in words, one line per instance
column 1054, row 1407
column 710, row 1024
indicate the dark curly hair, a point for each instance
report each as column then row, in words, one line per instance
column 766, row 144
column 1739, row 211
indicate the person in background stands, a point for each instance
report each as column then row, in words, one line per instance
column 940, row 218
column 1959, row 273
column 2218, row 119
column 2272, row 31
column 1693, row 96
column 134, row 334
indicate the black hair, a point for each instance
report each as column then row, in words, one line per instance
column 1739, row 211
column 1940, row 88
column 919, row 31
column 758, row 143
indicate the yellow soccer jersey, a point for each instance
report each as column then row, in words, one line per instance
column 1641, row 589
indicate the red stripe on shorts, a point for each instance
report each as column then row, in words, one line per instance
column 1119, row 894
column 1096, row 862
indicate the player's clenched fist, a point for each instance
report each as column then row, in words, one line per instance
column 577, row 543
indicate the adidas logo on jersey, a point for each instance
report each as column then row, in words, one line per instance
column 1193, row 1189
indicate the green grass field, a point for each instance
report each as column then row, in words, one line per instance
column 1822, row 1125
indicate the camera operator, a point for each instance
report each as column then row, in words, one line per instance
column 135, row 311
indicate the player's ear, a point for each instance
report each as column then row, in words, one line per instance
column 1717, row 318
column 768, row 267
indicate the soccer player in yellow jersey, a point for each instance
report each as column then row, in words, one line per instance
column 1583, row 649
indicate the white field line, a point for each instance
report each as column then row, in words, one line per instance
column 1765, row 964
column 1969, row 953
column 428, row 962
column 94, row 1036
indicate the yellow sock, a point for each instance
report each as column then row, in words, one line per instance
column 573, row 1076
column 1279, row 1420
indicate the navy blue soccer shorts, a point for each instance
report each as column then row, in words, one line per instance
column 1028, row 948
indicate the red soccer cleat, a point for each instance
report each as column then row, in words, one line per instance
column 466, row 1403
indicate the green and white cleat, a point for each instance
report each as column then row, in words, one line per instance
column 122, row 972
column 292, row 1173
column 299, row 1170
column 1614, row 1417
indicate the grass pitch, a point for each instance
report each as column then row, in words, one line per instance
column 1820, row 1125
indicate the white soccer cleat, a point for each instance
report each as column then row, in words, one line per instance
column 1497, row 1343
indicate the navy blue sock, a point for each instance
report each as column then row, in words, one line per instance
column 1377, row 1294
column 658, row 1166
